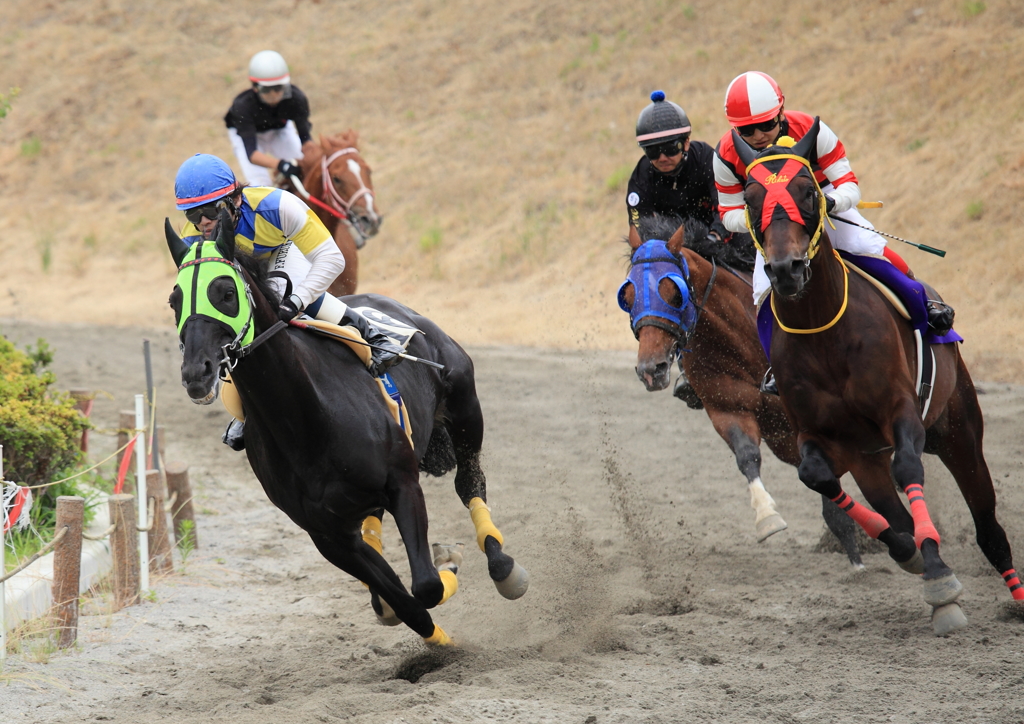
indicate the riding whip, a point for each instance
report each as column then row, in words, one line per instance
column 878, row 204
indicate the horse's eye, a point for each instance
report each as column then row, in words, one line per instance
column 230, row 294
column 336, row 179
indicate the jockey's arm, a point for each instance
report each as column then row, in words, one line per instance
column 731, row 206
column 258, row 158
column 302, row 227
column 836, row 167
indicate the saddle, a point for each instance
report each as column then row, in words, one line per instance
column 399, row 333
column 907, row 296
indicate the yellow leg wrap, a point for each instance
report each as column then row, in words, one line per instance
column 438, row 638
column 371, row 533
column 451, row 585
column 482, row 522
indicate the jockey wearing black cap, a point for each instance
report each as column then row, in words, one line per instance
column 675, row 178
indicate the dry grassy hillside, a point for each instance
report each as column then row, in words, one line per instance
column 501, row 135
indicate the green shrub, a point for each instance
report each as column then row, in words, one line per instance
column 40, row 428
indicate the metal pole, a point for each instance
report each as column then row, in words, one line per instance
column 3, row 556
column 154, row 449
column 140, row 486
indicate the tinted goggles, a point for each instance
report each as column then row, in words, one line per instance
column 197, row 214
column 748, row 131
column 671, row 148
column 264, row 90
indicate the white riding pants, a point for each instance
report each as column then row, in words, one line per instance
column 848, row 238
column 289, row 260
column 281, row 143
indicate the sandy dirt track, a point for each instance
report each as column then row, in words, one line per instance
column 650, row 600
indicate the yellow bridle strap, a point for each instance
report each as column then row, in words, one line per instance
column 839, row 315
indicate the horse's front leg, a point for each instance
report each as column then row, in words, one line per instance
column 352, row 555
column 941, row 586
column 407, row 506
column 817, row 472
column 744, row 438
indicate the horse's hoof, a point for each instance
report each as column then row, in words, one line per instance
column 515, row 585
column 388, row 616
column 942, row 591
column 947, row 619
column 448, row 556
column 914, row 565
column 770, row 526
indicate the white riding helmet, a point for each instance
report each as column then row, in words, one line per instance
column 267, row 68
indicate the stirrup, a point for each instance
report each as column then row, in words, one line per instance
column 685, row 392
column 768, row 384
column 940, row 316
column 234, row 435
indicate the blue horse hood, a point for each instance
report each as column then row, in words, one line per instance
column 651, row 263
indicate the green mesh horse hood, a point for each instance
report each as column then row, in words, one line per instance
column 204, row 263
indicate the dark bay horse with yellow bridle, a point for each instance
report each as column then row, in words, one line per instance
column 681, row 303
column 319, row 436
column 338, row 186
column 847, row 365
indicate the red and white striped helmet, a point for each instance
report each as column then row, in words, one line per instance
column 752, row 97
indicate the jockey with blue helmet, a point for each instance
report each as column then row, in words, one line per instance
column 274, row 223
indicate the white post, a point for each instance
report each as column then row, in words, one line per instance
column 140, row 489
column 3, row 557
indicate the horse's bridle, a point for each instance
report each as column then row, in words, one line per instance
column 337, row 202
column 671, row 323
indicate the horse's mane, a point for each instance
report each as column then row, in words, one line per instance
column 258, row 270
column 739, row 253
column 345, row 139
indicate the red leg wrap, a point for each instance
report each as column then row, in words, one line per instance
column 1014, row 584
column 872, row 523
column 896, row 260
column 923, row 526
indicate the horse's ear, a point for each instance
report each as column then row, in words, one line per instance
column 743, row 150
column 805, row 146
column 634, row 238
column 175, row 245
column 225, row 233
column 675, row 244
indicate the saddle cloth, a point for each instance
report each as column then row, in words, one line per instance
column 398, row 332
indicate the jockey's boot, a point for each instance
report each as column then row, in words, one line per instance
column 768, row 384
column 234, row 435
column 685, row 392
column 940, row 316
column 384, row 353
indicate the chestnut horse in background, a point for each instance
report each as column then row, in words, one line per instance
column 339, row 189
column 847, row 365
column 694, row 307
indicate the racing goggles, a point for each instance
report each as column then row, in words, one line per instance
column 763, row 127
column 209, row 211
column 671, row 148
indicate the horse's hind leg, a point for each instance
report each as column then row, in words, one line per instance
column 960, row 449
column 744, row 440
column 371, row 533
column 843, row 528
column 358, row 559
column 465, row 425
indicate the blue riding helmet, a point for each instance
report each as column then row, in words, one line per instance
column 652, row 262
column 201, row 180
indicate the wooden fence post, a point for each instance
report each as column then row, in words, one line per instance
column 177, row 482
column 67, row 567
column 126, row 431
column 83, row 403
column 124, row 547
column 160, row 559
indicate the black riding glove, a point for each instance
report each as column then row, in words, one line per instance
column 287, row 168
column 830, row 203
column 289, row 308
